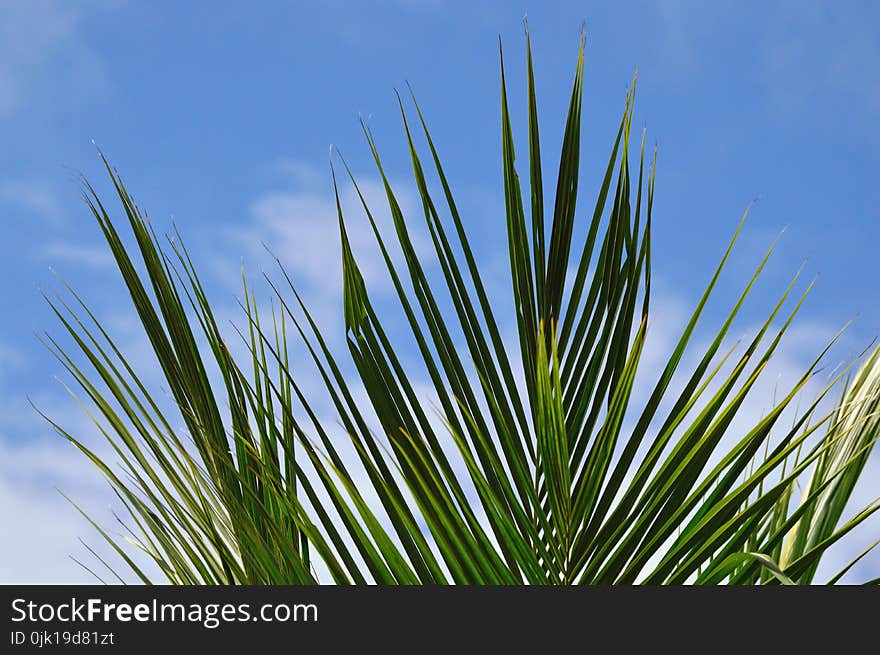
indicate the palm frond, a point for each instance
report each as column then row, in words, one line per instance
column 557, row 474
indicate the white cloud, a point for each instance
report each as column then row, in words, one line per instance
column 47, row 531
column 810, row 49
column 42, row 527
column 300, row 226
column 800, row 50
column 32, row 197
column 79, row 255
column 10, row 359
column 37, row 550
column 684, row 31
column 34, row 461
column 42, row 51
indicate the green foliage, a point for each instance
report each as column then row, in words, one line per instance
column 556, row 476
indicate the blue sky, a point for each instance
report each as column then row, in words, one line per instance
column 222, row 117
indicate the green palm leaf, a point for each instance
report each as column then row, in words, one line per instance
column 555, row 473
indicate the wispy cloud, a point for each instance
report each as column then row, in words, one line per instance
column 810, row 48
column 33, row 198
column 82, row 256
column 34, row 464
column 42, row 50
column 10, row 359
column 300, row 226
column 683, row 30
column 47, row 527
column 799, row 50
